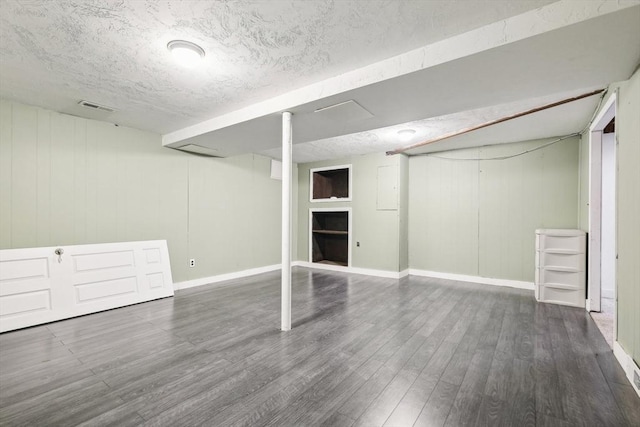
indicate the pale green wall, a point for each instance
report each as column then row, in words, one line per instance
column 234, row 214
column 583, row 184
column 443, row 214
column 66, row 180
column 404, row 212
column 479, row 217
column 378, row 231
column 628, row 200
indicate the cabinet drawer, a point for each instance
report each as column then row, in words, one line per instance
column 568, row 279
column 575, row 298
column 562, row 260
column 562, row 243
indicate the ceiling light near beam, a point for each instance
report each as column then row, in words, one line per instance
column 185, row 53
column 406, row 134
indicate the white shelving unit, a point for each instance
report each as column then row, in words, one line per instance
column 560, row 276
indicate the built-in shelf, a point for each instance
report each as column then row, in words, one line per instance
column 329, row 239
column 330, row 184
column 331, row 232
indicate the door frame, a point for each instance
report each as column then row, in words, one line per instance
column 594, row 261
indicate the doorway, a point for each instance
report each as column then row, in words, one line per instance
column 601, row 299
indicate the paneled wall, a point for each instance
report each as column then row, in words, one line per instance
column 478, row 218
column 66, row 180
column 234, row 214
column 628, row 236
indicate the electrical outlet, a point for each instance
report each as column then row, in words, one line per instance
column 358, row 244
column 192, row 263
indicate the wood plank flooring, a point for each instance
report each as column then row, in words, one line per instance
column 363, row 351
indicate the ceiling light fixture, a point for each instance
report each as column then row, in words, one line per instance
column 186, row 53
column 406, row 134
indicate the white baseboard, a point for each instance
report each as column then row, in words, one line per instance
column 354, row 270
column 211, row 280
column 627, row 363
column 473, row 279
column 224, row 277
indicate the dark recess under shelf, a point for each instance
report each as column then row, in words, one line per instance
column 331, row 183
column 330, row 237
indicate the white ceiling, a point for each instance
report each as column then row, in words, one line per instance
column 437, row 64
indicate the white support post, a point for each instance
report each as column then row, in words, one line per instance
column 286, row 222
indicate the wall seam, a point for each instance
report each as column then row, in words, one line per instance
column 579, row 219
column 478, row 212
column 10, row 211
column 188, row 212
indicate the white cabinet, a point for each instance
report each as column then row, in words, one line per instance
column 560, row 275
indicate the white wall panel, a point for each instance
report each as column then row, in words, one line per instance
column 387, row 189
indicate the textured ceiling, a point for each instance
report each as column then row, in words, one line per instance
column 55, row 53
column 434, row 66
column 562, row 120
column 559, row 51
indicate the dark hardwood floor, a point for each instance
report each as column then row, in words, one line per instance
column 364, row 351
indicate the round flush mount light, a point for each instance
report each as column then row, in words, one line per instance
column 186, row 53
column 406, row 134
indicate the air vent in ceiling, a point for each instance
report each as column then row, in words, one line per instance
column 199, row 149
column 94, row 106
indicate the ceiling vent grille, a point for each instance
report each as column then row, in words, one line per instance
column 95, row 106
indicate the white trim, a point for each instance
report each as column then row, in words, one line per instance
column 627, row 363
column 594, row 274
column 473, row 279
column 608, row 293
column 349, row 236
column 605, row 115
column 224, row 277
column 330, row 168
column 354, row 270
column 595, row 216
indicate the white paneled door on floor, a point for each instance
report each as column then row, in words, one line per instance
column 39, row 285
